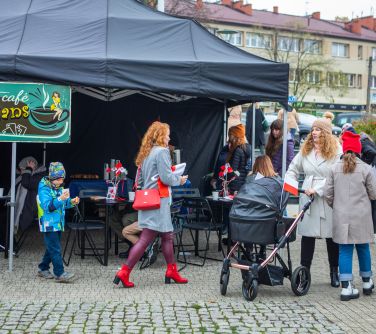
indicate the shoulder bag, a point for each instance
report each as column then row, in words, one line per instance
column 145, row 199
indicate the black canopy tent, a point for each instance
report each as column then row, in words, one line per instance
column 166, row 67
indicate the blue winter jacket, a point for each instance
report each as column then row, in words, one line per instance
column 51, row 210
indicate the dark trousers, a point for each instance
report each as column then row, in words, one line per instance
column 52, row 253
column 308, row 248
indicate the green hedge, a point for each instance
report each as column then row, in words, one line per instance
column 367, row 125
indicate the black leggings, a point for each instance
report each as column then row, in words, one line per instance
column 308, row 248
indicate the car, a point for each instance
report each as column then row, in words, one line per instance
column 305, row 125
column 349, row 117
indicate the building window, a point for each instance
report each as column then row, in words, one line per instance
column 212, row 30
column 313, row 77
column 288, row 44
column 342, row 80
column 360, row 52
column 373, row 82
column 312, row 46
column 373, row 53
column 234, row 38
column 350, row 80
column 359, row 81
column 258, row 40
column 292, row 75
column 340, row 50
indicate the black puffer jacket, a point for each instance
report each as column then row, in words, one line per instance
column 369, row 157
column 30, row 182
column 239, row 161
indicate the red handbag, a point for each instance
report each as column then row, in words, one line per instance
column 146, row 199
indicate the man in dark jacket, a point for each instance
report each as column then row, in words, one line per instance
column 259, row 131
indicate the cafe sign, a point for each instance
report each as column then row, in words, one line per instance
column 35, row 112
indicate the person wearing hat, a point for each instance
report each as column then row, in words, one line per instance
column 52, row 202
column 238, row 156
column 319, row 152
column 350, row 185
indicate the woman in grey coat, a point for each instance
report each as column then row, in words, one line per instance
column 350, row 187
column 154, row 159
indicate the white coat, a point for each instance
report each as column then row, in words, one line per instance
column 317, row 221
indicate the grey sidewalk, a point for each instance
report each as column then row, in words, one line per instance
column 92, row 304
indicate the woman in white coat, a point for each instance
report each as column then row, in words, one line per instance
column 317, row 155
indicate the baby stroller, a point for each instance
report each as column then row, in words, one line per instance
column 256, row 220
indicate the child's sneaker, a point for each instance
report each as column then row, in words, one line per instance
column 349, row 292
column 45, row 274
column 65, row 277
column 367, row 287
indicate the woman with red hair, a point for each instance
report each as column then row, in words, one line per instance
column 154, row 158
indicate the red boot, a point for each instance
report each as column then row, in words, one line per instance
column 172, row 272
column 123, row 276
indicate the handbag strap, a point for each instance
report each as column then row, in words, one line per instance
column 135, row 187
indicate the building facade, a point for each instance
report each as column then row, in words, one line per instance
column 332, row 64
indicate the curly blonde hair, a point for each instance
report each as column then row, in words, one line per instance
column 155, row 135
column 327, row 142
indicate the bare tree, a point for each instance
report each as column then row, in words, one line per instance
column 309, row 68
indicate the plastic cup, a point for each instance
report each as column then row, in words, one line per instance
column 131, row 195
column 1, row 192
column 215, row 195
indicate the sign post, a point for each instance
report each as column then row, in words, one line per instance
column 36, row 113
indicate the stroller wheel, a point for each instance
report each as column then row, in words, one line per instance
column 300, row 281
column 225, row 277
column 250, row 289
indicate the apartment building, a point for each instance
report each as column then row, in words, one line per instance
column 329, row 60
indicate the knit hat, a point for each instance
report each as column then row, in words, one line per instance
column 237, row 131
column 348, row 127
column 351, row 142
column 56, row 171
column 323, row 124
column 328, row 115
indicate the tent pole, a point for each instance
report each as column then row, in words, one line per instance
column 44, row 154
column 253, row 131
column 284, row 144
column 12, row 205
column 225, row 123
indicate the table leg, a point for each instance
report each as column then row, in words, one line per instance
column 82, row 233
column 105, row 252
column 7, row 236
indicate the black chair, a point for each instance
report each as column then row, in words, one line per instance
column 200, row 218
column 82, row 230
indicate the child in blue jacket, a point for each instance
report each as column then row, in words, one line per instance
column 52, row 202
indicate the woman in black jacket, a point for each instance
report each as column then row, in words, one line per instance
column 238, row 156
column 369, row 157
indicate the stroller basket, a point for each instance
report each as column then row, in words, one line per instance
column 260, row 232
column 271, row 275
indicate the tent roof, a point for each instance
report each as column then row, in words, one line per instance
column 124, row 44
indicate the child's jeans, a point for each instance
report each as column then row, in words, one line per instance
column 345, row 261
column 52, row 253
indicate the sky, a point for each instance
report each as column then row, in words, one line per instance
column 329, row 9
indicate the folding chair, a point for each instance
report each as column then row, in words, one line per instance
column 201, row 218
column 81, row 230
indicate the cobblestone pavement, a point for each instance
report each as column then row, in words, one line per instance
column 92, row 304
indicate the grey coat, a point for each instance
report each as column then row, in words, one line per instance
column 317, row 221
column 349, row 195
column 157, row 162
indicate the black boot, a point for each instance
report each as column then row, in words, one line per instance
column 334, row 279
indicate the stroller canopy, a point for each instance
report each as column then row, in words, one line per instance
column 260, row 199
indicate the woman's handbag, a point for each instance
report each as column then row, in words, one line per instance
column 146, row 199
column 265, row 125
